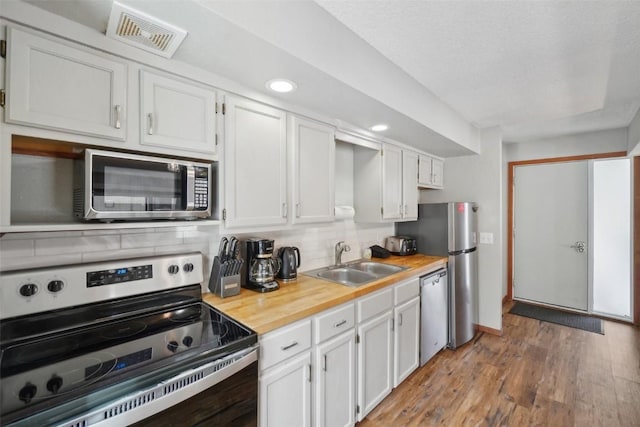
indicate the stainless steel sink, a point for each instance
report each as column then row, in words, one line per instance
column 355, row 273
column 376, row 268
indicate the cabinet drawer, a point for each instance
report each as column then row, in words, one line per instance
column 333, row 322
column 375, row 304
column 280, row 344
column 407, row 290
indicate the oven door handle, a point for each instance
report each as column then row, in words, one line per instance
column 191, row 188
column 155, row 399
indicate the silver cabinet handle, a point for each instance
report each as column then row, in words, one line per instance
column 297, row 210
column 324, row 363
column 579, row 246
column 118, row 109
column 340, row 323
column 287, row 347
column 284, row 210
column 150, row 128
column 400, row 320
column 309, row 372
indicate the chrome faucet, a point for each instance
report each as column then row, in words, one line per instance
column 340, row 248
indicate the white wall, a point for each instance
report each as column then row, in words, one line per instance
column 634, row 135
column 316, row 244
column 478, row 178
column 571, row 145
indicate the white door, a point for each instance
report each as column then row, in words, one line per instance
column 313, row 160
column 410, row 193
column 255, row 164
column 551, row 234
column 425, row 172
column 406, row 340
column 176, row 114
column 375, row 375
column 437, row 167
column 285, row 394
column 335, row 382
column 56, row 86
column 391, row 182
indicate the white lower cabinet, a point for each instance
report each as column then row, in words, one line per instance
column 285, row 393
column 406, row 340
column 406, row 334
column 332, row 369
column 335, row 382
column 375, row 350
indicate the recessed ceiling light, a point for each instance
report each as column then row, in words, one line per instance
column 281, row 85
column 379, row 128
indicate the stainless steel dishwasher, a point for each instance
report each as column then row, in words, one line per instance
column 434, row 312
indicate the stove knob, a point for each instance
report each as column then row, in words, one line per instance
column 55, row 285
column 188, row 267
column 28, row 289
column 27, row 393
column 187, row 341
column 54, row 384
column 173, row 269
column 172, row 346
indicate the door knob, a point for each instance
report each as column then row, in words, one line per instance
column 579, row 246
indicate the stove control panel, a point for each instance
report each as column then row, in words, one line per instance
column 119, row 275
column 32, row 291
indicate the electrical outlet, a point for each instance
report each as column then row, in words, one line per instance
column 486, row 238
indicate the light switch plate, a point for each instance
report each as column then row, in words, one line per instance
column 486, row 238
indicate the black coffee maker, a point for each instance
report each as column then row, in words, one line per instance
column 260, row 268
column 289, row 257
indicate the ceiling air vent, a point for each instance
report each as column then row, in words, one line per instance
column 143, row 31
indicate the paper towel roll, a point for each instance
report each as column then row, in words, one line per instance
column 344, row 212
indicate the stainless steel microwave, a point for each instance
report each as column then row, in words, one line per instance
column 118, row 186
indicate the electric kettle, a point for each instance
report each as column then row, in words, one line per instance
column 289, row 257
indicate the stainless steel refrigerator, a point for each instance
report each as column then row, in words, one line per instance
column 449, row 229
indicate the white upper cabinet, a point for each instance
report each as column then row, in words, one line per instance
column 385, row 184
column 255, row 172
column 176, row 114
column 52, row 85
column 313, row 169
column 410, row 192
column 391, row 182
column 430, row 173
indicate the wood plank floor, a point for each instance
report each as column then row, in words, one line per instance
column 536, row 374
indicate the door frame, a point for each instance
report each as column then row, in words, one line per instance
column 636, row 230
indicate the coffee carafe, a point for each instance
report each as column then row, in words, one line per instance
column 260, row 268
column 289, row 257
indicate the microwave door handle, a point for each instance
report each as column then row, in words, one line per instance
column 191, row 187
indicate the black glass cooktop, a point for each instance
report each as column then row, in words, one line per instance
column 65, row 362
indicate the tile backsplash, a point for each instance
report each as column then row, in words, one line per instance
column 316, row 244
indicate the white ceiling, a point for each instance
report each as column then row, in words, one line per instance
column 535, row 68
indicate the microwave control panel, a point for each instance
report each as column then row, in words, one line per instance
column 202, row 189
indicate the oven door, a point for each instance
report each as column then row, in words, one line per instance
column 219, row 392
column 123, row 186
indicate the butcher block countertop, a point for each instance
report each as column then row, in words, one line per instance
column 306, row 296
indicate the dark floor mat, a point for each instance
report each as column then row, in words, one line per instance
column 573, row 320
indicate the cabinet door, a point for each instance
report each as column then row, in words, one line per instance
column 255, row 164
column 438, row 172
column 406, row 340
column 285, row 394
column 410, row 191
column 425, row 173
column 391, row 182
column 335, row 382
column 375, row 375
column 312, row 165
column 176, row 114
column 52, row 85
